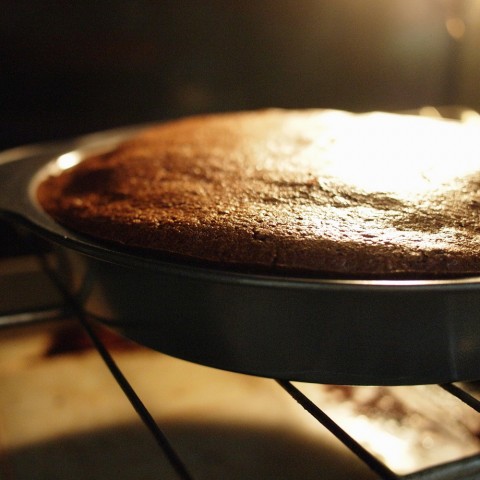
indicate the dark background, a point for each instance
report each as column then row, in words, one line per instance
column 74, row 67
column 68, row 68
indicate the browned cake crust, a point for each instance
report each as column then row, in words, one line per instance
column 314, row 192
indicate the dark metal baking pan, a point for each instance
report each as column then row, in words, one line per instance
column 357, row 332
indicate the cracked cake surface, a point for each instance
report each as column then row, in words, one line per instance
column 309, row 192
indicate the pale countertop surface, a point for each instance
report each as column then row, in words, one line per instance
column 62, row 416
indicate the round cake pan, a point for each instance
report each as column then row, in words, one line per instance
column 356, row 332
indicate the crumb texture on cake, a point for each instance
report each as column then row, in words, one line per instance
column 317, row 192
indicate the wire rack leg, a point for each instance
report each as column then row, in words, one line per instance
column 136, row 403
column 161, row 439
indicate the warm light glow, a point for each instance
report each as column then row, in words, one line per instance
column 406, row 156
column 429, row 111
column 455, row 27
column 68, row 160
column 470, row 117
column 388, row 446
column 404, row 427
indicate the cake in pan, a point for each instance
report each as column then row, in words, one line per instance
column 320, row 193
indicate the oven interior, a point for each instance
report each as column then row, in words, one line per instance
column 70, row 70
column 79, row 401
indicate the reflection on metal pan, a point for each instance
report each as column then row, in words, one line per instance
column 362, row 332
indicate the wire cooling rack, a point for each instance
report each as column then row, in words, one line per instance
column 463, row 468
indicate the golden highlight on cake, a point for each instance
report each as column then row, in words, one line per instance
column 320, row 193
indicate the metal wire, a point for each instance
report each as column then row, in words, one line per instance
column 137, row 404
column 467, row 468
column 174, row 459
column 364, row 455
column 462, row 395
column 29, row 318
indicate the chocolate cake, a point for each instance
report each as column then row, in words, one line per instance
column 321, row 193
